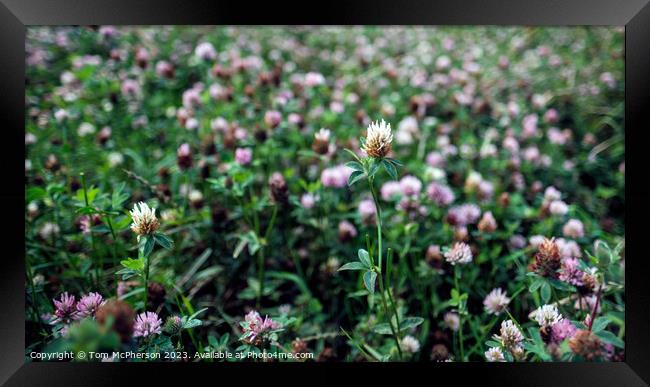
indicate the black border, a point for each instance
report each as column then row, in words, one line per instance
column 16, row 14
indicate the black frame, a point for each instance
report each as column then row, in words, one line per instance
column 15, row 15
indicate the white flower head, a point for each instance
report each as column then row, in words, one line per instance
column 322, row 135
column 195, row 196
column 460, row 253
column 115, row 159
column 85, row 129
column 558, row 207
column 496, row 301
column 494, row 354
column 378, row 139
column 48, row 229
column 410, row 344
column 546, row 315
column 452, row 320
column 509, row 336
column 144, row 219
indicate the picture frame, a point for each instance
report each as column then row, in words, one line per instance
column 16, row 15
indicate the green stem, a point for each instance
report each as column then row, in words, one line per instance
column 557, row 299
column 146, row 277
column 378, row 217
column 486, row 335
column 186, row 197
column 387, row 313
column 114, row 250
column 34, row 301
column 595, row 310
column 461, row 309
column 261, row 256
column 514, row 320
column 92, row 237
column 381, row 276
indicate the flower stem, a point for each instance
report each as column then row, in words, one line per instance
column 92, row 237
column 378, row 217
column 110, row 227
column 146, row 277
column 593, row 312
column 261, row 256
column 390, row 322
column 461, row 310
column 381, row 276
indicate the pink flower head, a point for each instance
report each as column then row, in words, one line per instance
column 568, row 248
column 556, row 136
column 205, row 51
column 573, row 229
column 336, row 177
column 367, row 209
column 164, row 69
column 570, row 271
column 529, row 126
column 440, row 194
column 459, row 253
column 464, row 214
column 192, row 97
column 184, row 150
column 85, row 224
column 485, row 190
column 608, row 79
column 390, row 190
column 551, row 116
column 347, row 230
column 411, row 185
column 65, row 309
column 147, row 324
column 511, row 144
column 314, row 79
column 561, row 330
column 243, row 156
column 307, row 200
column 254, row 326
column 88, row 304
column 435, row 159
column 130, row 88
column 272, row 118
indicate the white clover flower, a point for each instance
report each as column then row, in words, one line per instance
column 322, row 135
column 144, row 220
column 48, row 229
column 494, row 354
column 496, row 301
column 452, row 320
column 460, row 253
column 168, row 216
column 195, row 195
column 115, row 159
column 573, row 229
column 558, row 207
column 509, row 336
column 85, row 129
column 551, row 193
column 314, row 79
column 546, row 315
column 205, row 51
column 60, row 115
column 378, row 139
column 410, row 344
column 30, row 138
column 32, row 208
